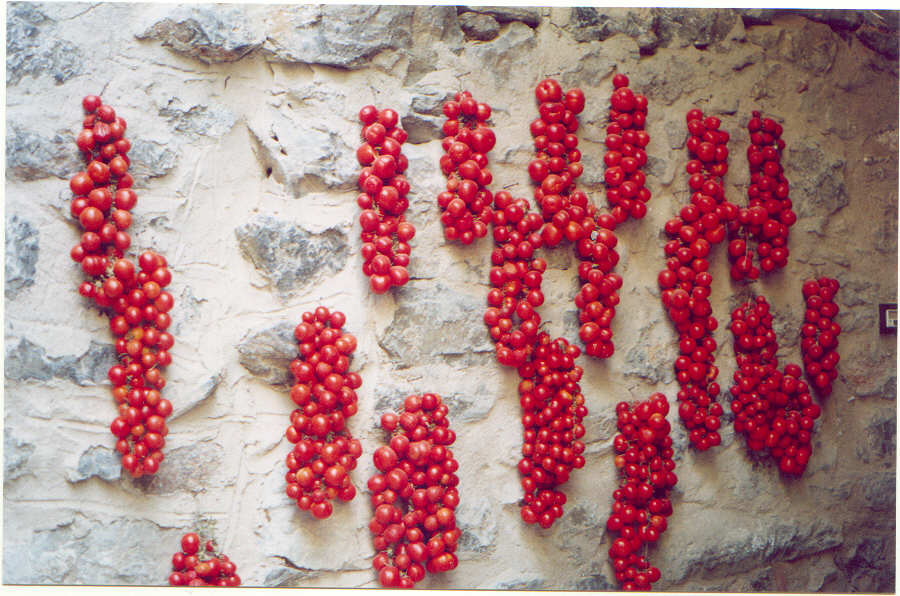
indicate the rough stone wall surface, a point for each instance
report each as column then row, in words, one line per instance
column 243, row 120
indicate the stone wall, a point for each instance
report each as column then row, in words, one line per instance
column 243, row 123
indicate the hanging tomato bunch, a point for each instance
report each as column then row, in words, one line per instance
column 557, row 164
column 414, row 494
column 553, row 409
column 516, row 276
column 768, row 216
column 134, row 297
column 773, row 409
column 819, row 333
column 325, row 394
column 385, row 232
column 626, row 140
column 466, row 203
column 568, row 214
column 551, row 398
column 686, row 281
column 641, row 502
column 552, row 403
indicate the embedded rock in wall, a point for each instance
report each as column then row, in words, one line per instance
column 590, row 23
column 210, row 34
column 757, row 16
column 580, row 525
column 209, row 119
column 880, row 491
column 27, row 361
column 340, row 36
column 431, row 24
column 192, row 385
column 507, row 53
column 726, row 549
column 653, row 27
column 85, row 551
column 15, row 456
column 652, row 361
column 507, row 14
column 681, row 27
column 421, row 129
column 21, row 255
column 812, row 47
column 595, row 583
column 389, row 396
column 858, row 370
column 886, row 231
column 879, row 441
column 267, row 354
column 864, row 562
column 99, row 461
column 289, row 256
column 32, row 156
column 424, row 122
column 190, row 469
column 847, row 20
column 595, row 65
column 479, row 529
column 523, row 584
column 289, row 537
column 666, row 80
column 879, row 32
column 282, row 577
column 151, row 160
column 34, row 49
column 820, row 181
column 435, row 321
column 301, row 152
column 479, row 26
column 471, row 401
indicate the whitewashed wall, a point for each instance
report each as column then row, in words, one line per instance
column 243, row 124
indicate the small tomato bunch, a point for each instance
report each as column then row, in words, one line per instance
column 193, row 568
